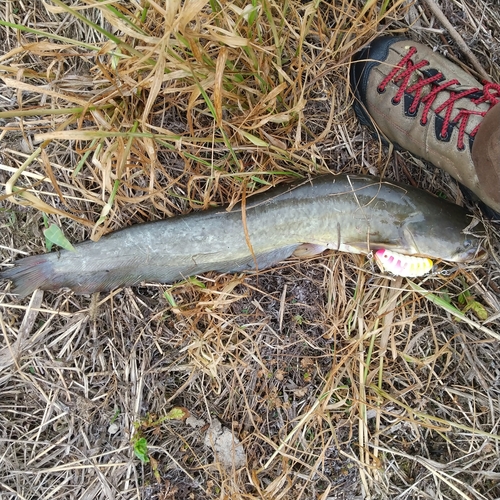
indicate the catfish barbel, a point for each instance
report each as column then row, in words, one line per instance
column 344, row 212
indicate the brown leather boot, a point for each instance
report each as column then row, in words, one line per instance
column 486, row 155
column 422, row 102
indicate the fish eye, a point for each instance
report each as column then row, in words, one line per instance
column 467, row 243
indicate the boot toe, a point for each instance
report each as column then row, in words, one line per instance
column 362, row 64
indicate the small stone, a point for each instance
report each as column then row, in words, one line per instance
column 113, row 429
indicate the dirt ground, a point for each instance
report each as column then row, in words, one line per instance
column 315, row 379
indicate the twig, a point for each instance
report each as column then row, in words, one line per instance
column 434, row 8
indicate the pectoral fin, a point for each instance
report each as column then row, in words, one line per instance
column 308, row 250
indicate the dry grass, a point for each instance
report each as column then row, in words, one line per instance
column 340, row 384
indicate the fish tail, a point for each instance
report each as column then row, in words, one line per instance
column 30, row 273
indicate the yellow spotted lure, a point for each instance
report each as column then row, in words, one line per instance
column 402, row 226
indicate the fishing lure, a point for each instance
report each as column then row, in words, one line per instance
column 402, row 265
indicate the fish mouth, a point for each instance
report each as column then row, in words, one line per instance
column 472, row 255
column 479, row 254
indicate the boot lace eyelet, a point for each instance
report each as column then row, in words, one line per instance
column 380, row 90
column 395, row 101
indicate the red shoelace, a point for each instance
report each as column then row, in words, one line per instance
column 490, row 93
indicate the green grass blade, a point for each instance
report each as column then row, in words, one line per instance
column 452, row 309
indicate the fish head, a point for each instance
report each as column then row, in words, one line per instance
column 455, row 237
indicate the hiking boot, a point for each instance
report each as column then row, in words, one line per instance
column 422, row 102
